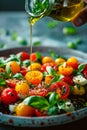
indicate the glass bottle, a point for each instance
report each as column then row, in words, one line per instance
column 63, row 10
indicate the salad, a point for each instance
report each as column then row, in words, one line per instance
column 40, row 85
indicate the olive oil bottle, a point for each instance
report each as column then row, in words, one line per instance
column 62, row 10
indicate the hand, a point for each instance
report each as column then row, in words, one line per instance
column 81, row 18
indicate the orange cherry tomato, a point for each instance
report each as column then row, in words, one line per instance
column 72, row 61
column 65, row 70
column 13, row 66
column 34, row 77
column 24, row 110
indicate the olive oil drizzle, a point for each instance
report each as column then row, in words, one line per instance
column 31, row 42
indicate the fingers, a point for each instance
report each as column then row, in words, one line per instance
column 81, row 18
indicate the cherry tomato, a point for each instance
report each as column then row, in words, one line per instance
column 61, row 88
column 13, row 66
column 84, row 72
column 11, row 82
column 47, row 59
column 23, row 55
column 9, row 96
column 40, row 113
column 43, row 67
column 72, row 61
column 38, row 91
column 23, row 110
column 35, row 77
column 23, row 70
column 68, row 80
column 65, row 70
column 33, row 57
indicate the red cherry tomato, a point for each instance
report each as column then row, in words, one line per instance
column 43, row 67
column 11, row 82
column 40, row 113
column 33, row 57
column 61, row 88
column 23, row 70
column 9, row 96
column 85, row 71
column 68, row 80
column 23, row 55
column 38, row 91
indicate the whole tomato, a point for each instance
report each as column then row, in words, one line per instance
column 9, row 96
column 23, row 55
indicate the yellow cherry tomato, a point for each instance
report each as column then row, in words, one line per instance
column 47, row 59
column 24, row 110
column 78, row 90
column 48, row 79
column 34, row 77
column 59, row 61
column 22, row 88
column 65, row 70
column 35, row 66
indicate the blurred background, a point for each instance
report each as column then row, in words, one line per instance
column 12, row 5
column 14, row 29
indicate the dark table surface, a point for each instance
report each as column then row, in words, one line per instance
column 17, row 21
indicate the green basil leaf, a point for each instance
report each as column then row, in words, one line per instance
column 2, row 61
column 2, row 82
column 8, row 70
column 53, row 98
column 37, row 102
column 18, row 76
column 57, row 78
column 51, row 71
column 37, row 43
column 38, row 54
column 52, row 110
column 81, row 67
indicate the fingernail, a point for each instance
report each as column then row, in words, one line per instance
column 78, row 22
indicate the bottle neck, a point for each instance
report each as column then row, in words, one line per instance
column 36, row 8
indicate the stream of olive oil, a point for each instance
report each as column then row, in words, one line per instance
column 32, row 21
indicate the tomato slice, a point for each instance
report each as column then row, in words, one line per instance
column 53, row 65
column 23, row 55
column 61, row 88
column 38, row 92
column 11, row 82
column 23, row 70
column 68, row 80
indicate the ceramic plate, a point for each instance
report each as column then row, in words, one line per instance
column 44, row 121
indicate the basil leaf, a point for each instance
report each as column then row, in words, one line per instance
column 4, row 75
column 8, row 70
column 2, row 82
column 2, row 61
column 52, row 110
column 37, row 43
column 51, row 71
column 57, row 78
column 53, row 99
column 81, row 67
column 18, row 76
column 37, row 102
column 38, row 54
